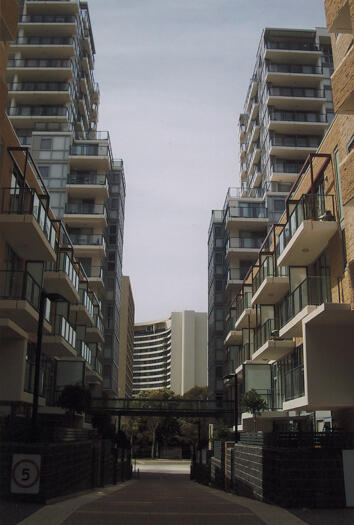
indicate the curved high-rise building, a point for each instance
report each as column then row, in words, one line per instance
column 171, row 353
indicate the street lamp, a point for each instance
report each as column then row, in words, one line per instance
column 53, row 297
column 234, row 376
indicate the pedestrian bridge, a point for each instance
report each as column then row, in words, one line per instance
column 163, row 407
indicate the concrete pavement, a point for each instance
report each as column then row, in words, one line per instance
column 162, row 495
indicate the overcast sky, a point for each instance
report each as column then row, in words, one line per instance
column 173, row 76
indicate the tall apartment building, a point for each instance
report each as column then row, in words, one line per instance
column 171, row 353
column 53, row 107
column 126, row 340
column 287, row 110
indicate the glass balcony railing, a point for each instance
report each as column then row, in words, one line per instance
column 64, row 329
column 94, row 272
column 298, row 116
column 82, row 208
column 310, row 206
column 265, row 270
column 97, row 365
column 292, row 166
column 64, row 264
column 246, row 352
column 251, row 212
column 243, row 302
column 45, row 40
column 84, row 239
column 38, row 86
column 47, row 19
column 84, row 351
column 37, row 111
column 39, row 62
column 294, row 383
column 90, row 150
column 236, row 274
column 19, row 286
column 299, row 92
column 294, row 141
column 25, row 201
column 86, row 301
column 314, row 290
column 291, row 45
column 244, row 243
column 304, row 69
column 98, row 323
column 264, row 332
column 82, row 178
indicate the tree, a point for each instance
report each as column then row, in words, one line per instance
column 254, row 403
column 154, row 423
column 75, row 398
column 195, row 429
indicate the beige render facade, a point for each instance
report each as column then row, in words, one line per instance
column 38, row 259
column 295, row 308
column 126, row 340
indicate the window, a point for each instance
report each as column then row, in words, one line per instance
column 279, row 205
column 46, row 144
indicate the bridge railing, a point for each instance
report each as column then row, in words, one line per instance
column 162, row 405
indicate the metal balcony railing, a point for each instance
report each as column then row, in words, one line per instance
column 304, row 69
column 314, row 290
column 38, row 86
column 37, row 111
column 291, row 45
column 84, row 351
column 82, row 208
column 47, row 19
column 84, row 239
column 310, row 206
column 39, row 62
column 65, row 264
column 45, row 40
column 244, row 243
column 90, row 150
column 297, row 116
column 25, row 201
column 295, row 141
column 86, row 301
column 83, row 178
column 251, row 212
column 299, row 92
column 236, row 274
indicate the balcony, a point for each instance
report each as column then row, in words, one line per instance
column 39, row 92
column 233, row 337
column 235, row 278
column 269, row 347
column 310, row 226
column 25, row 224
column 294, row 146
column 83, row 215
column 312, row 292
column 95, row 333
column 306, row 52
column 83, row 350
column 33, row 69
column 245, row 314
column 243, row 171
column 90, row 156
column 19, row 304
column 95, row 279
column 82, row 313
column 25, row 116
column 256, row 178
column 268, row 287
column 95, row 374
column 55, row 6
column 254, row 133
column 62, row 341
column 246, row 215
column 285, row 74
column 243, row 246
column 88, row 245
column 87, row 185
column 54, row 46
column 306, row 98
column 48, row 24
column 297, row 121
column 285, row 171
column 255, row 156
column 62, row 278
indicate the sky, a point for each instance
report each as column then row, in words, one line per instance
column 173, row 77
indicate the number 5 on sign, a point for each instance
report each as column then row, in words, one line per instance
column 25, row 473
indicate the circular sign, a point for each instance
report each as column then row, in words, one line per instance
column 25, row 473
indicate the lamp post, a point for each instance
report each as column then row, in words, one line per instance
column 235, row 414
column 54, row 297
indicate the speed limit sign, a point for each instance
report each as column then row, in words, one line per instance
column 25, row 473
